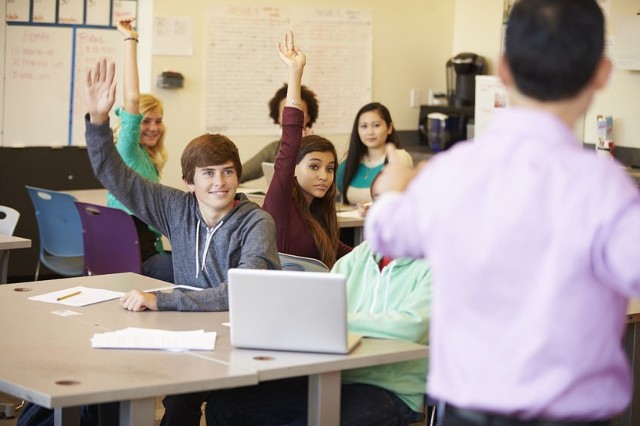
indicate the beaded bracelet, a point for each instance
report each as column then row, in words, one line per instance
column 294, row 102
column 131, row 38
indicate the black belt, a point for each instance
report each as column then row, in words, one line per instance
column 482, row 418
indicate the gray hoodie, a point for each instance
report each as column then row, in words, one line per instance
column 244, row 238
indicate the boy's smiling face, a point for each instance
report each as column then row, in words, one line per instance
column 215, row 189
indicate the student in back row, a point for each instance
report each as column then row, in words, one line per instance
column 252, row 169
column 301, row 196
column 372, row 130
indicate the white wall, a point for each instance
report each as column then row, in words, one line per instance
column 411, row 44
column 477, row 28
column 621, row 98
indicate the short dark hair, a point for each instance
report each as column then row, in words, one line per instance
column 307, row 96
column 357, row 149
column 209, row 150
column 553, row 47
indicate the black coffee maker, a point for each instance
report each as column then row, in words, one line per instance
column 461, row 78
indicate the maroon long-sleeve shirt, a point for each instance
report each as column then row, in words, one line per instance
column 292, row 233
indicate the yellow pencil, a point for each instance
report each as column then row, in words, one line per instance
column 66, row 296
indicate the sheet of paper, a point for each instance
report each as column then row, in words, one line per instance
column 146, row 338
column 82, row 296
column 351, row 214
column 173, row 36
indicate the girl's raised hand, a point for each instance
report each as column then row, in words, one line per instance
column 125, row 26
column 293, row 57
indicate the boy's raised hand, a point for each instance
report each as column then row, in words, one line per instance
column 292, row 57
column 100, row 93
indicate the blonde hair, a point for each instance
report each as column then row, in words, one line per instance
column 158, row 153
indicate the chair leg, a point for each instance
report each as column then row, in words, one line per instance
column 4, row 265
column 37, row 271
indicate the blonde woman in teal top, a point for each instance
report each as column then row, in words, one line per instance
column 140, row 142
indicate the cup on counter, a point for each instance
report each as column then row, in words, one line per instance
column 437, row 131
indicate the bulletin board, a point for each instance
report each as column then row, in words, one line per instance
column 243, row 70
column 49, row 48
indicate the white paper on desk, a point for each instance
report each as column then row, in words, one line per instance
column 87, row 296
column 147, row 338
column 350, row 214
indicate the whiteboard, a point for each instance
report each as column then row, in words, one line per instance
column 37, row 92
column 45, row 74
column 243, row 70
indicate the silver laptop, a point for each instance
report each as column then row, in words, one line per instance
column 267, row 171
column 289, row 310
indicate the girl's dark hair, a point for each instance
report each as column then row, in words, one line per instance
column 357, row 149
column 320, row 216
column 306, row 95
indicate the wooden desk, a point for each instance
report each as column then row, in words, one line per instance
column 9, row 242
column 47, row 359
column 324, row 370
column 45, row 351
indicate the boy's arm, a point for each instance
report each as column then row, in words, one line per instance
column 258, row 252
column 252, row 169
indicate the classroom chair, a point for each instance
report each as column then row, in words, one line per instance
column 110, row 240
column 290, row 262
column 60, row 232
column 8, row 221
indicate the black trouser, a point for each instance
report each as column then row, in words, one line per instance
column 454, row 416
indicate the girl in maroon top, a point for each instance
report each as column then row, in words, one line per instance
column 301, row 196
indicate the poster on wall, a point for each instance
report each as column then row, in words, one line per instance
column 490, row 95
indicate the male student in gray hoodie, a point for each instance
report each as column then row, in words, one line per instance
column 211, row 227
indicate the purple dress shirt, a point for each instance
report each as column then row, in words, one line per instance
column 534, row 244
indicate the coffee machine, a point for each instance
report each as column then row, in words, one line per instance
column 461, row 78
column 440, row 126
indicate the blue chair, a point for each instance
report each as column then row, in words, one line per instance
column 110, row 240
column 8, row 221
column 290, row 262
column 60, row 230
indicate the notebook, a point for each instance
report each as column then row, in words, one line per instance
column 289, row 310
column 267, row 171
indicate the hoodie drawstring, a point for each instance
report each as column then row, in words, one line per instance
column 207, row 242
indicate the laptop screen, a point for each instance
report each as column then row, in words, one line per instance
column 288, row 310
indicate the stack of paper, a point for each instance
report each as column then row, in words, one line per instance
column 146, row 338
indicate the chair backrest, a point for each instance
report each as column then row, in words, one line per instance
column 290, row 262
column 110, row 238
column 58, row 222
column 268, row 170
column 8, row 220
